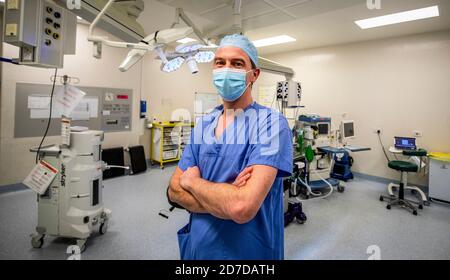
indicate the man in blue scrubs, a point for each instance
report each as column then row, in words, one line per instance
column 230, row 175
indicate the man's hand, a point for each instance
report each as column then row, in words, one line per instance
column 182, row 197
column 188, row 176
column 242, row 178
column 230, row 202
column 194, row 172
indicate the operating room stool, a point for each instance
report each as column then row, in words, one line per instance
column 405, row 167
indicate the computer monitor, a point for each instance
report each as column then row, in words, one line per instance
column 405, row 143
column 347, row 129
column 323, row 128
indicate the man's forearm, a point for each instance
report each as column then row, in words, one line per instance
column 185, row 199
column 188, row 202
column 236, row 202
column 222, row 200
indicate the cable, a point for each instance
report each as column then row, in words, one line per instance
column 309, row 188
column 296, row 111
column 273, row 100
column 140, row 81
column 117, row 166
column 313, row 193
column 155, row 38
column 49, row 116
column 382, row 147
column 8, row 60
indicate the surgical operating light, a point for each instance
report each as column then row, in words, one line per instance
column 172, row 65
column 191, row 53
column 204, row 57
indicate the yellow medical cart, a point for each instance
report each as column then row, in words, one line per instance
column 168, row 140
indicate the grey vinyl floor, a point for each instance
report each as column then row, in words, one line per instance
column 343, row 226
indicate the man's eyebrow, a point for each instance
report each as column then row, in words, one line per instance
column 238, row 59
column 233, row 60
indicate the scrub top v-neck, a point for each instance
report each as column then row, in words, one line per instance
column 263, row 139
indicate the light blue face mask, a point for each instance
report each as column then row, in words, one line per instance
column 230, row 83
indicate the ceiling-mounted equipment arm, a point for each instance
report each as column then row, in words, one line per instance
column 118, row 20
column 276, row 68
column 98, row 40
column 229, row 27
column 236, row 27
column 162, row 37
column 155, row 41
column 237, row 18
column 179, row 13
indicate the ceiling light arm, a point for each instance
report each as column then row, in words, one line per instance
column 98, row 40
column 237, row 24
column 176, row 20
column 153, row 42
column 276, row 68
column 179, row 13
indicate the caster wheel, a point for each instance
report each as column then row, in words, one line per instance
column 420, row 207
column 381, row 199
column 37, row 242
column 415, row 213
column 341, row 189
column 388, row 207
column 103, row 228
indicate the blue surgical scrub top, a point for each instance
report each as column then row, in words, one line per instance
column 258, row 136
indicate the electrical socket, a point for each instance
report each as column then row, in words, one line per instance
column 417, row 133
column 377, row 131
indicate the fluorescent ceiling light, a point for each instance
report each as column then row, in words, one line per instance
column 186, row 40
column 273, row 41
column 399, row 17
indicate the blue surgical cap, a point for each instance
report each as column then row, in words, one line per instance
column 242, row 42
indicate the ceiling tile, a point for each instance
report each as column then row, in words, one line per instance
column 273, row 18
column 255, row 7
column 284, row 3
column 196, row 6
column 312, row 8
